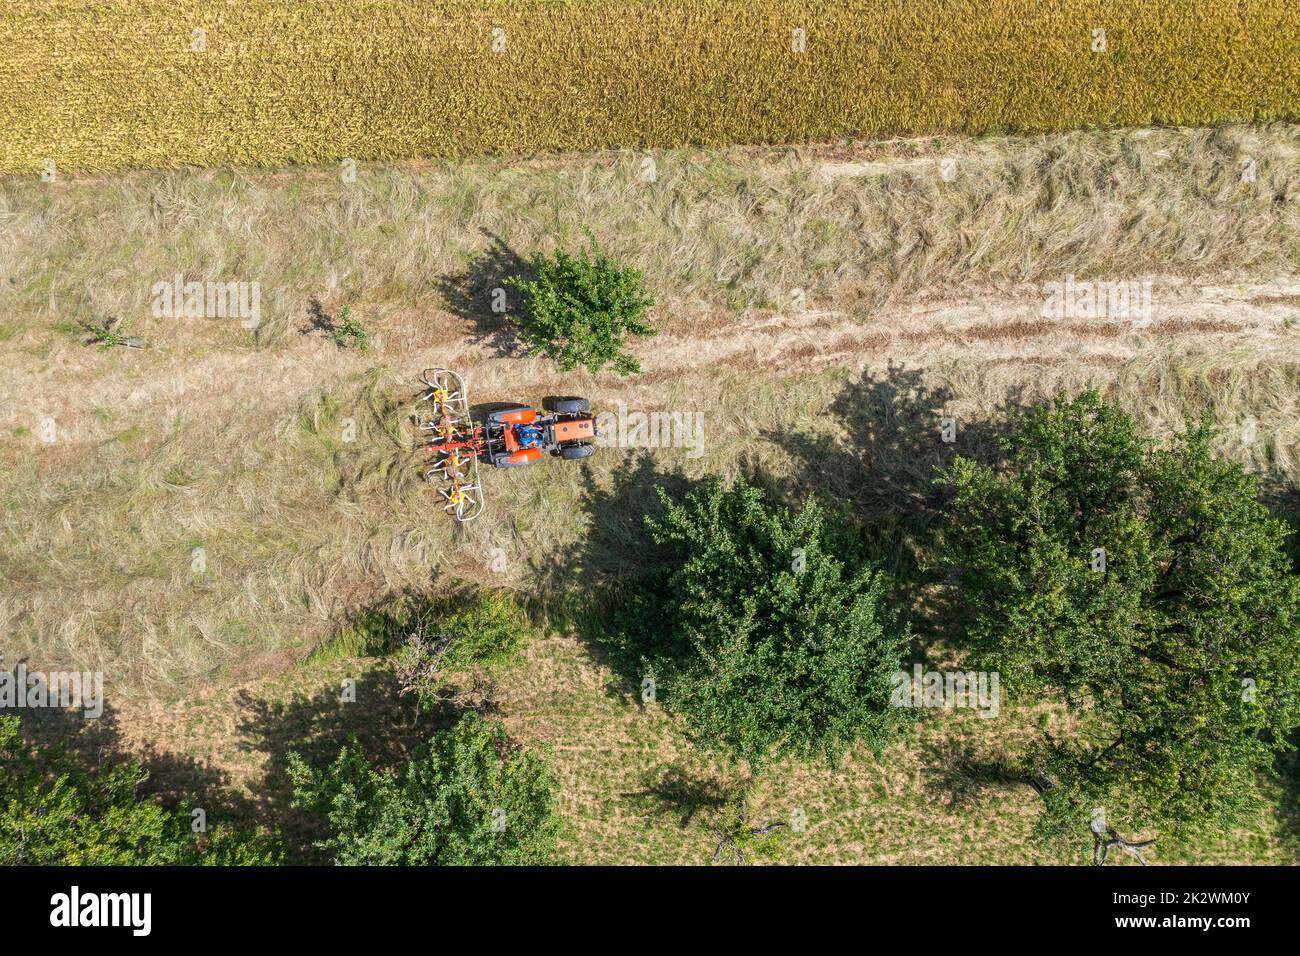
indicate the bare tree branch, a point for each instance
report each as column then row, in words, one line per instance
column 1101, row 847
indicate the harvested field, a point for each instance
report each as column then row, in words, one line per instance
column 89, row 84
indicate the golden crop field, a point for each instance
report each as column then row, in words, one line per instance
column 103, row 84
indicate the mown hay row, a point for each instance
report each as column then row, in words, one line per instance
column 100, row 84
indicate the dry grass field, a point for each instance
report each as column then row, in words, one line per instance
column 288, row 460
column 110, row 84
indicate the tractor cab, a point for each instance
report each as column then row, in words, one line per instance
column 520, row 436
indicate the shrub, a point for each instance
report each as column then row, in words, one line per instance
column 349, row 331
column 488, row 628
column 471, row 632
column 578, row 310
column 466, row 798
column 105, row 335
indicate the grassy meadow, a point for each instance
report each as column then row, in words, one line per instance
column 286, row 462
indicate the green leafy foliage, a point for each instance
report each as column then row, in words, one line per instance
column 1148, row 590
column 578, row 310
column 739, row 840
column 106, row 335
column 465, row 798
column 487, row 628
column 760, row 638
column 54, row 813
column 348, row 331
column 471, row 632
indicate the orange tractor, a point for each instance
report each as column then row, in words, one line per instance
column 509, row 437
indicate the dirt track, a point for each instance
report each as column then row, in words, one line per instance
column 1000, row 327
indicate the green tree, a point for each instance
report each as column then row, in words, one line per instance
column 1147, row 590
column 578, row 310
column 764, row 643
column 54, row 813
column 466, row 798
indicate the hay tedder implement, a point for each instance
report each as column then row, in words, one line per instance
column 511, row 436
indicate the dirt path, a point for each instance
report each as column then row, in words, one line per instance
column 995, row 328
column 1000, row 327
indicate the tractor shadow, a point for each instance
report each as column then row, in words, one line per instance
column 470, row 295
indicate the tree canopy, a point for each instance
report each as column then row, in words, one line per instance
column 763, row 640
column 54, row 812
column 465, row 798
column 1146, row 589
column 579, row 310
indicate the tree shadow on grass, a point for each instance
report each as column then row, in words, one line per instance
column 607, row 587
column 365, row 703
column 961, row 772
column 370, row 709
column 617, row 544
column 471, row 294
column 1283, row 500
column 97, row 744
column 878, row 471
column 318, row 320
column 676, row 791
column 1288, row 804
column 378, row 628
column 896, row 431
